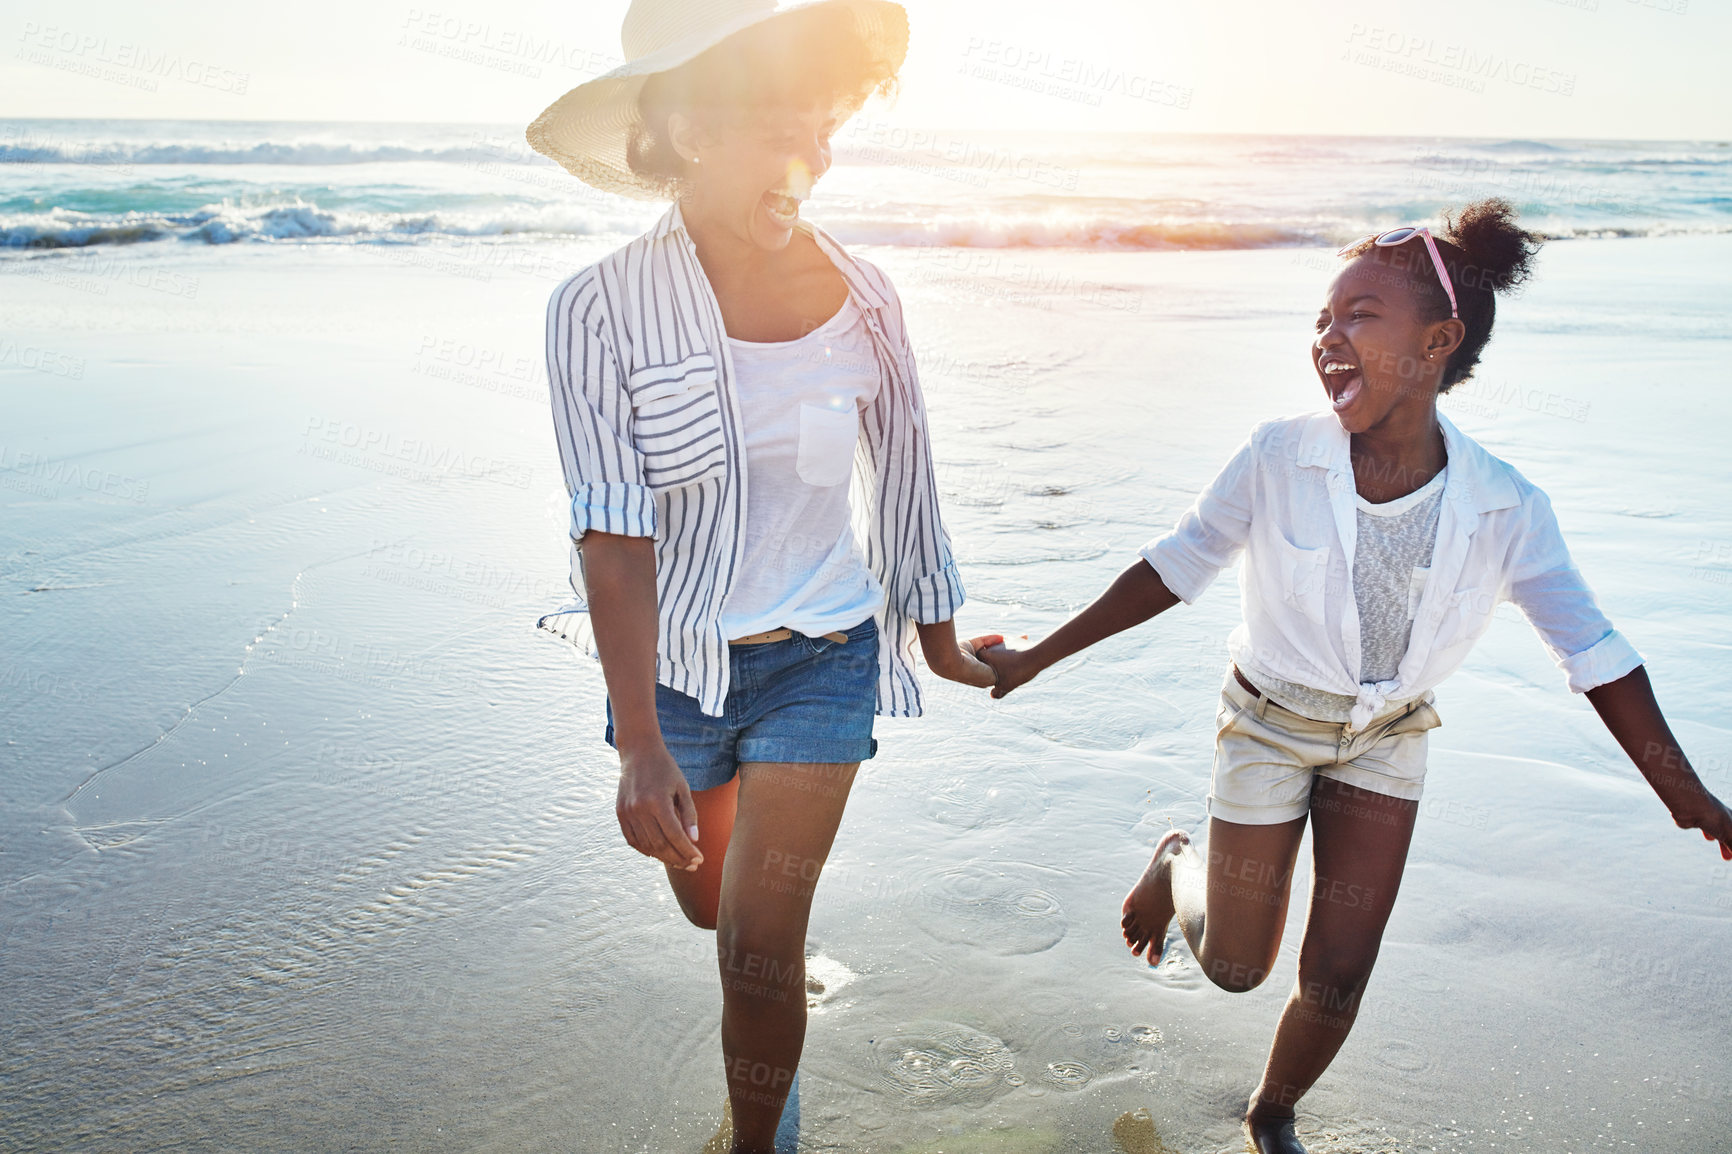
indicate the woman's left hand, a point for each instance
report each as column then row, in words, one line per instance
column 969, row 668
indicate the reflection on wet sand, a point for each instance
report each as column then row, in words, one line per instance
column 1135, row 1133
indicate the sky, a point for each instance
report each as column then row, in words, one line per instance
column 1651, row 69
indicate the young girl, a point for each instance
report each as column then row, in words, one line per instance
column 1377, row 541
column 717, row 384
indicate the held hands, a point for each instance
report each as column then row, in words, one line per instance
column 1014, row 667
column 956, row 660
column 970, row 669
column 655, row 808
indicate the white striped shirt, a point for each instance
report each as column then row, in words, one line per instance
column 650, row 439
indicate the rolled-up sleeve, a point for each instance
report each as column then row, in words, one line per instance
column 592, row 418
column 1553, row 595
column 1211, row 534
column 934, row 597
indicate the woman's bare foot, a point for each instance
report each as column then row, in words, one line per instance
column 723, row 1139
column 1148, row 908
column 1273, row 1135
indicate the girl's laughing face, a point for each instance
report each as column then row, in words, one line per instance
column 1374, row 352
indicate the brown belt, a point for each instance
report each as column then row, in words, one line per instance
column 1249, row 688
column 780, row 635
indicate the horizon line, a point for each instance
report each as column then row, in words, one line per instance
column 1725, row 142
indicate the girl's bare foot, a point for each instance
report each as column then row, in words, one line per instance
column 1148, row 908
column 1273, row 1135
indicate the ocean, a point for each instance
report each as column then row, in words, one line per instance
column 307, row 837
column 72, row 184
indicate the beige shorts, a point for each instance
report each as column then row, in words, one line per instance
column 1266, row 756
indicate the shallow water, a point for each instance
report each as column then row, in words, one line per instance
column 309, row 837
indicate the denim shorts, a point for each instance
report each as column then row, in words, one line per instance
column 803, row 700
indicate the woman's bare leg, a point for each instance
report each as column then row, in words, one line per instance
column 1231, row 907
column 1359, row 842
column 699, row 891
column 785, row 823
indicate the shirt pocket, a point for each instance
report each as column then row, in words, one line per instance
column 827, row 441
column 1303, row 575
column 1416, row 589
column 677, row 422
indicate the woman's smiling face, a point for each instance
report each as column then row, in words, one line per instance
column 1374, row 352
column 750, row 174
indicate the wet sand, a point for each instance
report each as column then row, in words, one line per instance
column 309, row 835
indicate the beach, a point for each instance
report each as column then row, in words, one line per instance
column 309, row 838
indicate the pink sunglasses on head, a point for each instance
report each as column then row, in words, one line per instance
column 1398, row 236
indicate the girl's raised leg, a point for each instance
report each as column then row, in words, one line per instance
column 786, row 821
column 1231, row 906
column 1359, row 843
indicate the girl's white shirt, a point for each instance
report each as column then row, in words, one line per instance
column 1287, row 501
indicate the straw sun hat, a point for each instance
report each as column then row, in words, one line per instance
column 588, row 128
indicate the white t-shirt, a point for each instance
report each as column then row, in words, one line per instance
column 800, row 403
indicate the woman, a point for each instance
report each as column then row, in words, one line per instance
column 1378, row 539
column 716, row 383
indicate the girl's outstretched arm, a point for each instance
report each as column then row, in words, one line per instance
column 1135, row 596
column 1628, row 708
